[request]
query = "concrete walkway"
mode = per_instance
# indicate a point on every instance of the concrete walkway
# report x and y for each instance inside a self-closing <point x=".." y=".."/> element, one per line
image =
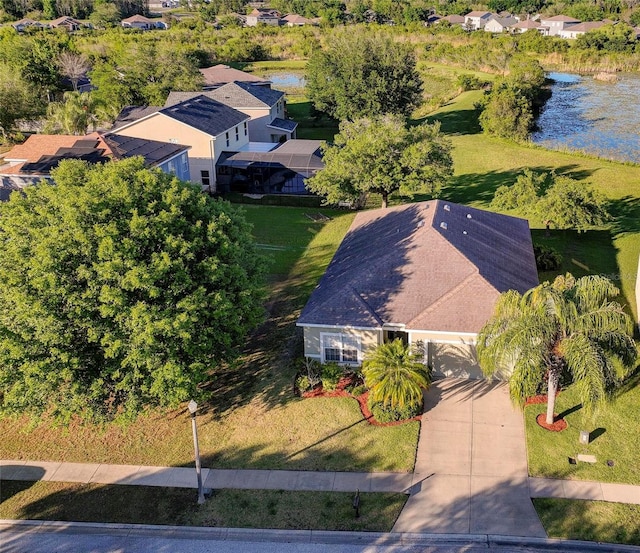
<point x="473" y="463"/>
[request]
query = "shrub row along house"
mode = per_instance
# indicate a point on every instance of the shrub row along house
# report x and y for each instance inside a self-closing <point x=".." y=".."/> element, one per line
<point x="234" y="135"/>
<point x="428" y="273"/>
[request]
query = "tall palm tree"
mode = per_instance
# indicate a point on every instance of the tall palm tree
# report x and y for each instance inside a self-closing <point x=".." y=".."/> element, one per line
<point x="570" y="326"/>
<point x="395" y="375"/>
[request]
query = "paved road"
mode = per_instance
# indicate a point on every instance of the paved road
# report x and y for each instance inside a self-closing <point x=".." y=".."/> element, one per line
<point x="87" y="538"/>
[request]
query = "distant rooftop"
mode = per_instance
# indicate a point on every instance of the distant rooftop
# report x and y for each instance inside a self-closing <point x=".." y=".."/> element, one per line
<point x="220" y="74"/>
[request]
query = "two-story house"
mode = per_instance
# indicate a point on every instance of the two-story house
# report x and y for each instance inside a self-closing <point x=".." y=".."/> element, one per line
<point x="476" y="20"/>
<point x="265" y="107"/>
<point x="207" y="126"/>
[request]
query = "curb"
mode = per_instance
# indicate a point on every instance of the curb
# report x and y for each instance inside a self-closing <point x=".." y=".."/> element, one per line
<point x="305" y="536"/>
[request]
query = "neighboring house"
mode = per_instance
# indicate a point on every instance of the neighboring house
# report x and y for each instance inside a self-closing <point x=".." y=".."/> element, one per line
<point x="218" y="75"/>
<point x="265" y="106"/>
<point x="143" y="23"/>
<point x="476" y="20"/>
<point x="558" y="23"/>
<point x="32" y="161"/>
<point x="205" y="125"/>
<point x="295" y="20"/>
<point x="529" y="25"/>
<point x="574" y="31"/>
<point x="22" y="24"/>
<point x="453" y="19"/>
<point x="263" y="16"/>
<point x="281" y="170"/>
<point x="68" y="23"/>
<point x="500" y="24"/>
<point x="428" y="273"/>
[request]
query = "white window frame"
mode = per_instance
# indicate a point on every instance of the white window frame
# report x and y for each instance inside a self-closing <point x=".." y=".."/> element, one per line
<point x="341" y="340"/>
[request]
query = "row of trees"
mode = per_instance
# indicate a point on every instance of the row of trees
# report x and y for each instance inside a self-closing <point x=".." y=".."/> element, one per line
<point x="51" y="9"/>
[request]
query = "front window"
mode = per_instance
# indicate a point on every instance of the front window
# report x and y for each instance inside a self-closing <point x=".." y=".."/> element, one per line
<point x="341" y="348"/>
<point x="205" y="178"/>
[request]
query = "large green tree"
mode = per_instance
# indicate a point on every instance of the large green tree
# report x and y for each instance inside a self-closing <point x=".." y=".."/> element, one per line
<point x="361" y="73"/>
<point x="571" y="327"/>
<point x="17" y="99"/>
<point x="74" y="115"/>
<point x="121" y="287"/>
<point x="558" y="200"/>
<point x="382" y="155"/>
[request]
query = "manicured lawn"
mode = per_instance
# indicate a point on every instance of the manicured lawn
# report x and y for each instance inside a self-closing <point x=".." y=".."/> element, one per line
<point x="615" y="436"/>
<point x="590" y="520"/>
<point x="254" y="420"/>
<point x="177" y="507"/>
<point x="321" y="128"/>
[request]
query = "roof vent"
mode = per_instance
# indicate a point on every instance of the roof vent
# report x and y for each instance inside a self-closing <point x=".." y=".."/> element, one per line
<point x="420" y="224"/>
<point x="464" y="232"/>
<point x="469" y="216"/>
<point x="443" y="225"/>
<point x="447" y="207"/>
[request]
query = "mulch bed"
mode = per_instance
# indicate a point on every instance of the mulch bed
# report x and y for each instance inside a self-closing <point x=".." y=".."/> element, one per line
<point x="340" y="391"/>
<point x="558" y="424"/>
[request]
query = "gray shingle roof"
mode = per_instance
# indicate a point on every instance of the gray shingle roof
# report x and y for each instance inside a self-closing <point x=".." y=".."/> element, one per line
<point x="283" y="124"/>
<point x="430" y="266"/>
<point x="242" y="95"/>
<point x="235" y="95"/>
<point x="129" y="114"/>
<point x="205" y="114"/>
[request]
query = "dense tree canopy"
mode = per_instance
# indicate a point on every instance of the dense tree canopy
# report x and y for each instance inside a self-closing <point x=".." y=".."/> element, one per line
<point x="560" y="201"/>
<point x="363" y="74"/>
<point x="570" y="328"/>
<point x="382" y="155"/>
<point x="121" y="287"/>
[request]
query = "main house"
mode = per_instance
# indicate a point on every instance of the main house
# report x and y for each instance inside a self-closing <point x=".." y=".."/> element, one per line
<point x="205" y="125"/>
<point x="427" y="272"/>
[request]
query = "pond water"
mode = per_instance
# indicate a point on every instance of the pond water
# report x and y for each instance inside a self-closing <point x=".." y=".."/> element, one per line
<point x="286" y="80"/>
<point x="596" y="117"/>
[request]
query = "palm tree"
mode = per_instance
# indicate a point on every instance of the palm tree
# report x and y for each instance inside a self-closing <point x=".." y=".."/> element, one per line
<point x="73" y="115"/>
<point x="571" y="326"/>
<point x="395" y="375"/>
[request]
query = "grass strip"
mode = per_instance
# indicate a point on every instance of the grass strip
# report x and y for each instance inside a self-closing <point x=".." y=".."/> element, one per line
<point x="279" y="509"/>
<point x="590" y="520"/>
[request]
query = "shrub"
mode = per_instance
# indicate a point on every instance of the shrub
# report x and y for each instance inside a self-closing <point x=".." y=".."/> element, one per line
<point x="386" y="413"/>
<point x="358" y="390"/>
<point x="469" y="82"/>
<point x="547" y="259"/>
<point x="331" y="374"/>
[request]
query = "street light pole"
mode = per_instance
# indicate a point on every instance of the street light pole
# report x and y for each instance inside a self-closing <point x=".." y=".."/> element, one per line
<point x="193" y="407"/>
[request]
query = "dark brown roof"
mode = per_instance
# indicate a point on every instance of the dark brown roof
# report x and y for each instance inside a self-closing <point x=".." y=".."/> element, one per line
<point x="429" y="266"/>
<point x="220" y="74"/>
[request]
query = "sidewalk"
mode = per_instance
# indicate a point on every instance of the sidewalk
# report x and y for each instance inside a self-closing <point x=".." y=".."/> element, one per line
<point x="179" y="477"/>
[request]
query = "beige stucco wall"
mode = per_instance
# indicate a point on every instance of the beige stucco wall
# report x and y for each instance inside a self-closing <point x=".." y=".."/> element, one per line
<point x="368" y="339"/>
<point x="205" y="149"/>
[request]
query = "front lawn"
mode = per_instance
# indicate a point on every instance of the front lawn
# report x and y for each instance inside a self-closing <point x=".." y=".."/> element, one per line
<point x="590" y="520"/>
<point x="177" y="507"/>
<point x="254" y="420"/>
<point x="615" y="436"/>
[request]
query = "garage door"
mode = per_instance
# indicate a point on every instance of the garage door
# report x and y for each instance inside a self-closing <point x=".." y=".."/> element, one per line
<point x="456" y="360"/>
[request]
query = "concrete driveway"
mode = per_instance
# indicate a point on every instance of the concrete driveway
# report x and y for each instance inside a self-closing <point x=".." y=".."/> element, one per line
<point x="471" y="464"/>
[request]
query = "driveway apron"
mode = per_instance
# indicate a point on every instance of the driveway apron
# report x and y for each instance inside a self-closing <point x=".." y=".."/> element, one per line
<point x="471" y="464"/>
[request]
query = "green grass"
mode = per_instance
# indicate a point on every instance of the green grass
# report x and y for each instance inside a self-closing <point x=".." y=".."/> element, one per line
<point x="299" y="109"/>
<point x="615" y="436"/>
<point x="590" y="520"/>
<point x="177" y="506"/>
<point x="254" y="420"/>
